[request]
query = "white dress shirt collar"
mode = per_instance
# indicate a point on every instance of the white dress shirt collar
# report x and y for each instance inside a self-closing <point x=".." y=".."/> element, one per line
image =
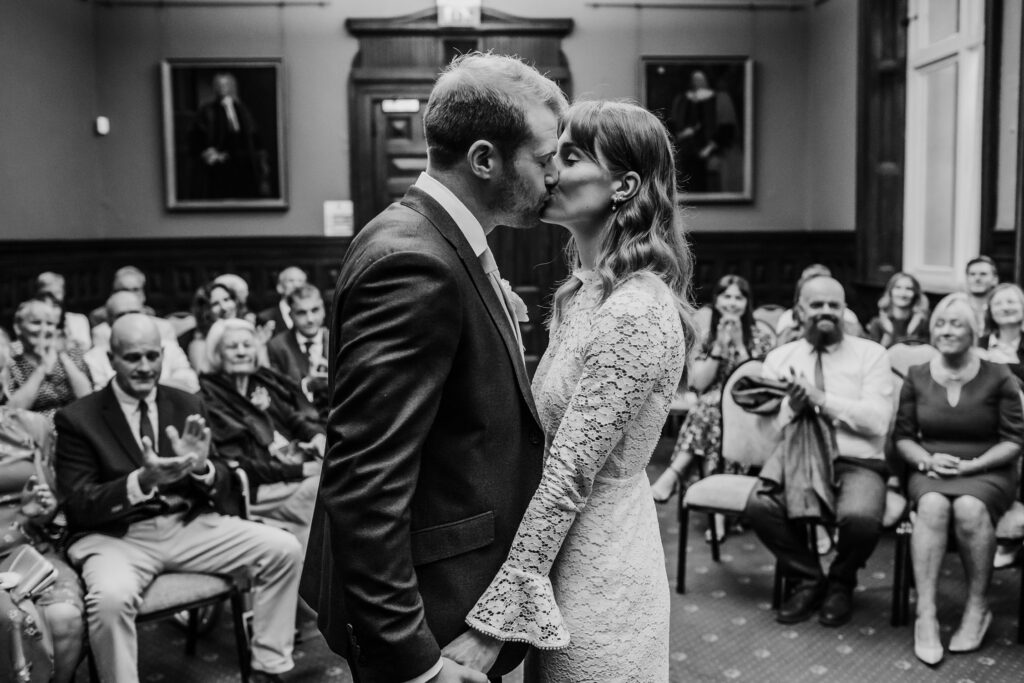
<point x="462" y="216"/>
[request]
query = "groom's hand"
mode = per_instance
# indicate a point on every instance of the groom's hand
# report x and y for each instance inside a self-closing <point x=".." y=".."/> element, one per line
<point x="453" y="672"/>
<point x="473" y="649"/>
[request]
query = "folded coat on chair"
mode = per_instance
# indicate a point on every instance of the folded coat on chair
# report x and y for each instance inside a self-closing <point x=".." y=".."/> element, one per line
<point x="801" y="465"/>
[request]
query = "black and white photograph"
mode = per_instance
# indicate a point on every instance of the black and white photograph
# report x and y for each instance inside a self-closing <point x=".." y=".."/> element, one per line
<point x="511" y="341"/>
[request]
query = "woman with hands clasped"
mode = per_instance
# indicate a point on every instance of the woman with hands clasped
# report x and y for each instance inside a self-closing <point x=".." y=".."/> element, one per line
<point x="733" y="339"/>
<point x="959" y="428"/>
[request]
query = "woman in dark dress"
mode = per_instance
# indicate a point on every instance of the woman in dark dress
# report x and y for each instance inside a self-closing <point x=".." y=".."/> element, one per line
<point x="959" y="428"/>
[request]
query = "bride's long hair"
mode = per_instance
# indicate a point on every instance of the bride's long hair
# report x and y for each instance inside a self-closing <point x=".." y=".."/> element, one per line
<point x="645" y="233"/>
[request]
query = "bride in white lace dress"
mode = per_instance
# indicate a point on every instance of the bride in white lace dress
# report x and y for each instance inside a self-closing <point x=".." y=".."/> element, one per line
<point x="585" y="580"/>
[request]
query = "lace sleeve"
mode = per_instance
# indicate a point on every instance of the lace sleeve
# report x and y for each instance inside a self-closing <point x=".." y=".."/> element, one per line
<point x="631" y="343"/>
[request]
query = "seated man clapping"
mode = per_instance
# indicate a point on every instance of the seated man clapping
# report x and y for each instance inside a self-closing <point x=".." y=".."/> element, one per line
<point x="143" y="497"/>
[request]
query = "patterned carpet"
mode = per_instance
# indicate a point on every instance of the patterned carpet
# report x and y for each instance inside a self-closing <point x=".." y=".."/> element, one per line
<point x="722" y="630"/>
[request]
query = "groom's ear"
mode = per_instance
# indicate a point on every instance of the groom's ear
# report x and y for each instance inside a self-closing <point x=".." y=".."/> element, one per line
<point x="483" y="159"/>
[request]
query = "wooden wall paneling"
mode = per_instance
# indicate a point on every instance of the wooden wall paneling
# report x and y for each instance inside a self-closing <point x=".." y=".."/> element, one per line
<point x="881" y="124"/>
<point x="531" y="260"/>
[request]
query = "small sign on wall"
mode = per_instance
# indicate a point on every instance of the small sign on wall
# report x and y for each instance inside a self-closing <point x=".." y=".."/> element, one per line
<point x="465" y="13"/>
<point x="338" y="221"/>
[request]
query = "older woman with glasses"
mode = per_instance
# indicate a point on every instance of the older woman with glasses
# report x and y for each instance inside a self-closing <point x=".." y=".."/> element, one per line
<point x="262" y="420"/>
<point x="959" y="428"/>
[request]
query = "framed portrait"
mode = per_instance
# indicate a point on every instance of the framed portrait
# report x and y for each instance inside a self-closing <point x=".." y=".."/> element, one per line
<point x="707" y="105"/>
<point x="223" y="124"/>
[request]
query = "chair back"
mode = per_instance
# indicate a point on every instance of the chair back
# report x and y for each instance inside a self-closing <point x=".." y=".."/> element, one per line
<point x="769" y="313"/>
<point x="747" y="438"/>
<point x="903" y="356"/>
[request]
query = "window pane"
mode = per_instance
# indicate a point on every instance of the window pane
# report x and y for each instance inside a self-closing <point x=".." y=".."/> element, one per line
<point x="943" y="19"/>
<point x="940" y="166"/>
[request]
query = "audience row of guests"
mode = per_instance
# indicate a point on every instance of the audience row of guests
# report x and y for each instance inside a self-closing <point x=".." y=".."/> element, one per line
<point x="958" y="429"/>
<point x="141" y="471"/>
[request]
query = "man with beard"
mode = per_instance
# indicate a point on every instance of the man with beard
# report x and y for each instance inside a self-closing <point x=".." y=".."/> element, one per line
<point x="434" y="444"/>
<point x="848" y="381"/>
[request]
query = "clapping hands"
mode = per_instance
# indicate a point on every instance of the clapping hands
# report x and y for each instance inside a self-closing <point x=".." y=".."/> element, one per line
<point x="38" y="503"/>
<point x="191" y="452"/>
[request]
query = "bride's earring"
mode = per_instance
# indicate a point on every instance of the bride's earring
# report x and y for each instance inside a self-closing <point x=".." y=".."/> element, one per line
<point x="616" y="201"/>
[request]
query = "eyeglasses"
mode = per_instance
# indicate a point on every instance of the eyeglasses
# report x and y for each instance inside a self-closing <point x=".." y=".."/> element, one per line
<point x="135" y="356"/>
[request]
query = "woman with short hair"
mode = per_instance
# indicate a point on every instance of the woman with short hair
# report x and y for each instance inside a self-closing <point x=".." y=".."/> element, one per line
<point x="959" y="428"/>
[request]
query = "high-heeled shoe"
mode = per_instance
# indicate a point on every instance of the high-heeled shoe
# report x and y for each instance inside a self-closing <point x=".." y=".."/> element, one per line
<point x="665" y="487"/>
<point x="969" y="642"/>
<point x="927" y="645"/>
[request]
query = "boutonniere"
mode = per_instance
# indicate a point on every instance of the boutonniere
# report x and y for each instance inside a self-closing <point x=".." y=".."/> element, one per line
<point x="260" y="398"/>
<point x="519" y="309"/>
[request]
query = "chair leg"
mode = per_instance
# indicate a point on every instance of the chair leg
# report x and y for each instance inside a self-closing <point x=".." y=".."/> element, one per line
<point x="898" y="580"/>
<point x="1020" y="609"/>
<point x="779" y="585"/>
<point x="715" y="541"/>
<point x="684" y="533"/>
<point x="192" y="632"/>
<point x="241" y="635"/>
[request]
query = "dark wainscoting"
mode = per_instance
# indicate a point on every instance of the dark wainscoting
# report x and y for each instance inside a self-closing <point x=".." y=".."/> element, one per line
<point x="174" y="268"/>
<point x="771" y="261"/>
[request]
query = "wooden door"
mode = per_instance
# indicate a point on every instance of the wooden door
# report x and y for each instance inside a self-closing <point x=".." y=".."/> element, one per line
<point x="399" y="150"/>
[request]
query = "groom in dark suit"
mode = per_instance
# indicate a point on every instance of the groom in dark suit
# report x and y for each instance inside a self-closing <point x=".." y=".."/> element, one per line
<point x="434" y="444"/>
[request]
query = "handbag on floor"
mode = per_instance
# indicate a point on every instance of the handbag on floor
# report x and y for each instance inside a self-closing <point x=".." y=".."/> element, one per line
<point x="26" y="650"/>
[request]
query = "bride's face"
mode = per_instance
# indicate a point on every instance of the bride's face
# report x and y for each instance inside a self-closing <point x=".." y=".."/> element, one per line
<point x="583" y="196"/>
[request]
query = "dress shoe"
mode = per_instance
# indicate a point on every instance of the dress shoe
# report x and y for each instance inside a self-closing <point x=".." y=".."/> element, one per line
<point x="257" y="676"/>
<point x="837" y="608"/>
<point x="801" y="605"/>
<point x="927" y="646"/>
<point x="969" y="642"/>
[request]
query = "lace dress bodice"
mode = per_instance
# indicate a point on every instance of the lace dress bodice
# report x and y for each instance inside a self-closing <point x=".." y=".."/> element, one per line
<point x="603" y="391"/>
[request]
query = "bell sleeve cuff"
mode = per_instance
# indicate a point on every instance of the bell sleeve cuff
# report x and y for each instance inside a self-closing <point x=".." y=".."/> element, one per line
<point x="520" y="606"/>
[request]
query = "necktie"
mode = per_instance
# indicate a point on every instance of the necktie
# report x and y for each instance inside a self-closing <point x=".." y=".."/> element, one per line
<point x="229" y="110"/>
<point x="145" y="426"/>
<point x="307" y="347"/>
<point x="819" y="374"/>
<point x="491" y="268"/>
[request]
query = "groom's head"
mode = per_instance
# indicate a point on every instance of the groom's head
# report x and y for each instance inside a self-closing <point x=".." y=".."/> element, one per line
<point x="492" y="122"/>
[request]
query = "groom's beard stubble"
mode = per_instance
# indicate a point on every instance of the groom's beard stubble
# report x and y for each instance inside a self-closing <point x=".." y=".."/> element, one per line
<point x="820" y="338"/>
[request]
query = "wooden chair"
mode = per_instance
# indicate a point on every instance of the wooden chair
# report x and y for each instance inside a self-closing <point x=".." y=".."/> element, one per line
<point x="769" y="314"/>
<point x="748" y="439"/>
<point x="172" y="593"/>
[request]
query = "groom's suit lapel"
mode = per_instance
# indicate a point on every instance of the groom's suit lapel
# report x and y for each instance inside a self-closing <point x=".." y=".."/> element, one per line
<point x="424" y="204"/>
